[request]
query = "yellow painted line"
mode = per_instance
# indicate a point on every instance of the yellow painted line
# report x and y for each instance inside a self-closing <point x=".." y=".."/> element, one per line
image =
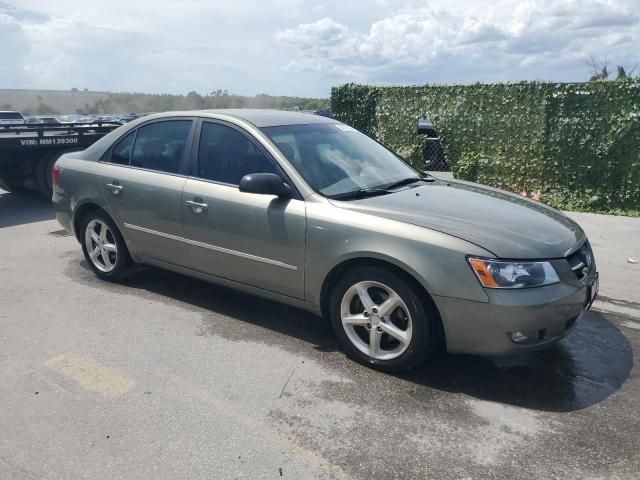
<point x="91" y="375"/>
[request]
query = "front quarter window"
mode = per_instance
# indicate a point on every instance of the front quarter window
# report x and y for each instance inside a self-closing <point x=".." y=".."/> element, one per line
<point x="121" y="153"/>
<point x="336" y="159"/>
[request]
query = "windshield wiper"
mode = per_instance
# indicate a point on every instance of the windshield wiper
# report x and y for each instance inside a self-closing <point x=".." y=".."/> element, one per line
<point x="362" y="193"/>
<point x="382" y="190"/>
<point x="407" y="181"/>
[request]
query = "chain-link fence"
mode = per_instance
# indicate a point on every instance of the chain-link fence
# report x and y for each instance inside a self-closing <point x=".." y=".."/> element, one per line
<point x="433" y="154"/>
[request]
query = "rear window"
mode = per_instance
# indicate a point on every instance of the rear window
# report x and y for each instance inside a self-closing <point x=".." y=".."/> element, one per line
<point x="161" y="146"/>
<point x="10" y="116"/>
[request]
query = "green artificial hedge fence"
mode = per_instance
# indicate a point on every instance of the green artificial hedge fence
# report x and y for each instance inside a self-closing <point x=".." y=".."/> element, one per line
<point x="575" y="144"/>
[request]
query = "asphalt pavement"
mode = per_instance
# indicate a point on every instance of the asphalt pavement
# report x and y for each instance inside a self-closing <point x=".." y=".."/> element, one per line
<point x="171" y="377"/>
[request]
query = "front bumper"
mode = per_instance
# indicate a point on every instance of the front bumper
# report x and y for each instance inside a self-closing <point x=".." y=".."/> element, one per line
<point x="544" y="315"/>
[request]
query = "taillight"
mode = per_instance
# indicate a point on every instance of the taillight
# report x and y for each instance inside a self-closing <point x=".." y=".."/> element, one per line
<point x="55" y="174"/>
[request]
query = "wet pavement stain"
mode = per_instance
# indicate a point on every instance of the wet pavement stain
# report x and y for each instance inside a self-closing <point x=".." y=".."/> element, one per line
<point x="581" y="370"/>
<point x="503" y="414"/>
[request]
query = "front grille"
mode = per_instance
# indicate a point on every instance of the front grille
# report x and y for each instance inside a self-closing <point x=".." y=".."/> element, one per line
<point x="581" y="261"/>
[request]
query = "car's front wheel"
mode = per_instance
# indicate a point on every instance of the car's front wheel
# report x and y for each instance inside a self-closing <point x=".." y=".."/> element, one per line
<point x="103" y="247"/>
<point x="381" y="319"/>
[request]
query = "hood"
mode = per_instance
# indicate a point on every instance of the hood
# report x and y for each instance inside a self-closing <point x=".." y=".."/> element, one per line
<point x="508" y="225"/>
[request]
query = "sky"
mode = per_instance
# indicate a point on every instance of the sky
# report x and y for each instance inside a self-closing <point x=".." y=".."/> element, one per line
<point x="303" y="47"/>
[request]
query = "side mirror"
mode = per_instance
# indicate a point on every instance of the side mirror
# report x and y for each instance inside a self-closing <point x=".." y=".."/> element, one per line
<point x="265" y="184"/>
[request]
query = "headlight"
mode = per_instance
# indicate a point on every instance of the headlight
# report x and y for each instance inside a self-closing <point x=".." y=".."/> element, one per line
<point x="498" y="274"/>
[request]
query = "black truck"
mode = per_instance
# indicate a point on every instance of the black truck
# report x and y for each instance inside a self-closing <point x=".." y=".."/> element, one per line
<point x="28" y="152"/>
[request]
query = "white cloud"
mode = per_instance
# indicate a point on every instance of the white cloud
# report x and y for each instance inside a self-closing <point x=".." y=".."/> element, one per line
<point x="303" y="47"/>
<point x="14" y="48"/>
<point x="486" y="43"/>
<point x="154" y="46"/>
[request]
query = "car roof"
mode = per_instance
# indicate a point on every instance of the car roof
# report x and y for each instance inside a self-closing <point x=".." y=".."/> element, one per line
<point x="258" y="117"/>
<point x="270" y="118"/>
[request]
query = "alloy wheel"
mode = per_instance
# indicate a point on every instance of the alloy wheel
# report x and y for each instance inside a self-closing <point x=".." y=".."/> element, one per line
<point x="101" y="245"/>
<point x="376" y="320"/>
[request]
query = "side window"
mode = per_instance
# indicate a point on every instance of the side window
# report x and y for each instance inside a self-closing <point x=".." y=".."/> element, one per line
<point x="161" y="146"/>
<point x="226" y="155"/>
<point x="121" y="153"/>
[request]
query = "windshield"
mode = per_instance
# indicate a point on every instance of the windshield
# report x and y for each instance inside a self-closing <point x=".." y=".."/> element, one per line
<point x="336" y="159"/>
<point x="10" y="116"/>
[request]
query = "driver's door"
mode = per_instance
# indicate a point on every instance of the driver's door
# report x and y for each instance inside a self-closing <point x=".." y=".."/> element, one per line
<point x="253" y="239"/>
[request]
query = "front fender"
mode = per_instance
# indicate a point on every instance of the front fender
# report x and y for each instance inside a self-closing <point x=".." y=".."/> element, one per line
<point x="436" y="260"/>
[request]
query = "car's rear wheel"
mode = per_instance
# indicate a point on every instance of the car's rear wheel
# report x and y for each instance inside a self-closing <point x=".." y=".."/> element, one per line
<point x="43" y="173"/>
<point x="103" y="247"/>
<point x="382" y="320"/>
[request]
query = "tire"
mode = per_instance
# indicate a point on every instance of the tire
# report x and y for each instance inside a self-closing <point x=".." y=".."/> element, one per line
<point x="43" y="179"/>
<point x="14" y="188"/>
<point x="112" y="262"/>
<point x="7" y="188"/>
<point x="11" y="177"/>
<point x="43" y="172"/>
<point x="414" y="319"/>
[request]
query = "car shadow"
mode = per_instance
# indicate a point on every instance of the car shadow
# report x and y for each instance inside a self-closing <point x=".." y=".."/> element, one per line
<point x="22" y="208"/>
<point x="583" y="369"/>
<point x="227" y="302"/>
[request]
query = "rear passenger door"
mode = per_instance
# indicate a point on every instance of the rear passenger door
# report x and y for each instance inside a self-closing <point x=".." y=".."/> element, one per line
<point x="256" y="240"/>
<point x="142" y="180"/>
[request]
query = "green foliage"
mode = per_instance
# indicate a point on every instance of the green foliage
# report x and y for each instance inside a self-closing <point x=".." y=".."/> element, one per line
<point x="592" y="146"/>
<point x="578" y="145"/>
<point x="356" y="105"/>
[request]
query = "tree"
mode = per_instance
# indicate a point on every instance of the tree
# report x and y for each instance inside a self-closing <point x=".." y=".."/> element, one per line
<point x="621" y="73"/>
<point x="125" y="102"/>
<point x="193" y="101"/>
<point x="599" y="70"/>
<point x="44" y="109"/>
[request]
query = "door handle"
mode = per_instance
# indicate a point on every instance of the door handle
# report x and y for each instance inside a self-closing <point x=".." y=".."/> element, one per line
<point x="115" y="188"/>
<point x="196" y="207"/>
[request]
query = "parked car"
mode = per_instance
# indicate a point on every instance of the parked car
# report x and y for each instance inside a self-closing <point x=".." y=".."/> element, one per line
<point x="11" y="118"/>
<point x="69" y="119"/>
<point x="42" y="121"/>
<point x="310" y="212"/>
<point x="106" y="119"/>
<point x="127" y="118"/>
<point x="49" y="121"/>
<point x="83" y="119"/>
<point x="325" y="112"/>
